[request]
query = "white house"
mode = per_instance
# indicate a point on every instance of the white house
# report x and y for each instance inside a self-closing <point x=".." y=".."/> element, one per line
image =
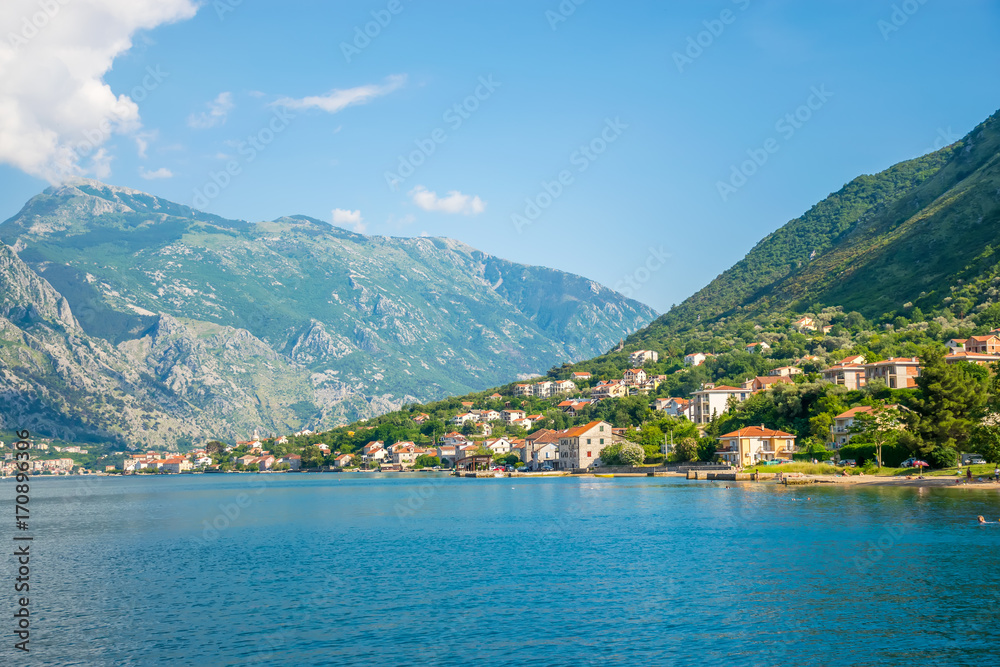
<point x="580" y="446"/>
<point x="712" y="400"/>
<point x="640" y="357"/>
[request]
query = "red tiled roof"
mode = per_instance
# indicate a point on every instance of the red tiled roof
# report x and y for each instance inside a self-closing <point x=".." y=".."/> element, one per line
<point x="757" y="431"/>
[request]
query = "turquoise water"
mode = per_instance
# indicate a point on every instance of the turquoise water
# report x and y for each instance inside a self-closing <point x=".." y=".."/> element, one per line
<point x="414" y="570"/>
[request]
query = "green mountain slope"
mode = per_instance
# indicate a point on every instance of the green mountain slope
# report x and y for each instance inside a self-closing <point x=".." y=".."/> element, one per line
<point x="907" y="236"/>
<point x="293" y="323"/>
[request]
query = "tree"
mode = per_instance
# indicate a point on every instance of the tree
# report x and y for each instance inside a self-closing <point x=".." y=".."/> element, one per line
<point x="952" y="402"/>
<point x="880" y="427"/>
<point x="215" y="448"/>
<point x="312" y="457"/>
<point x="707" y="447"/>
<point x="623" y="454"/>
<point x="687" y="449"/>
<point x="986" y="441"/>
<point x="426" y="461"/>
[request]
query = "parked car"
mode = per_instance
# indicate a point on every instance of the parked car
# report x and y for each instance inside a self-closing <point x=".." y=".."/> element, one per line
<point x="510" y="468"/>
<point x="547" y="468"/>
<point x="849" y="463"/>
<point x="908" y="463"/>
<point x="976" y="460"/>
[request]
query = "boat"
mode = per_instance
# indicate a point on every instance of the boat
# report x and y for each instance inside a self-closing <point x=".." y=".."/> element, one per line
<point x="605" y="475"/>
<point x="498" y="474"/>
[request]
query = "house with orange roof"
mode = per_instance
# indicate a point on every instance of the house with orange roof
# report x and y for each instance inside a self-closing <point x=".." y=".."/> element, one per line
<point x="763" y="382"/>
<point x="495" y="396"/>
<point x="840" y="432"/>
<point x="971" y="357"/>
<point x="757" y="348"/>
<point x="712" y="400"/>
<point x="753" y="444"/>
<point x="897" y="373"/>
<point x="580" y="446"/>
<point x="805" y="324"/>
<point x="421" y="418"/>
<point x="856" y="359"/>
<point x="989" y="344"/>
<point x="634" y="376"/>
<point x="785" y="371"/>
<point x="511" y="416"/>
<point x="523" y="390"/>
<point x="850" y="375"/>
<point x="343" y="460"/>
<point x="294" y="461"/>
<point x="608" y="389"/>
<point x="695" y="358"/>
<point x="580" y="375"/>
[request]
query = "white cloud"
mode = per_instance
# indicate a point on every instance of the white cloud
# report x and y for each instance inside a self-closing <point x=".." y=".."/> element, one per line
<point x="344" y="217"/>
<point x="337" y="100"/>
<point x="162" y="172"/>
<point x="218" y="111"/>
<point x="453" y="202"/>
<point x="56" y="111"/>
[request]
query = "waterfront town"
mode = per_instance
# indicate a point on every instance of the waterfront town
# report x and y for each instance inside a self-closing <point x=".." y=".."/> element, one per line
<point x="500" y="435"/>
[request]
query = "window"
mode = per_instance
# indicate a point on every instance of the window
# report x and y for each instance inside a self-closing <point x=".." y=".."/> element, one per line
<point x="600" y="428"/>
<point x="588" y="441"/>
<point x="602" y="441"/>
<point x="588" y="454"/>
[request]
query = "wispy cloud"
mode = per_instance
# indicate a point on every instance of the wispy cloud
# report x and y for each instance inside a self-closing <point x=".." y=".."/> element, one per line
<point x="162" y="172"/>
<point x="344" y="217"/>
<point x="218" y="111"/>
<point x="453" y="202"/>
<point x="336" y="99"/>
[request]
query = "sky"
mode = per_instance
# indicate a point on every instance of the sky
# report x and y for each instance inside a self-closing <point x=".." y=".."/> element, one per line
<point x="645" y="145"/>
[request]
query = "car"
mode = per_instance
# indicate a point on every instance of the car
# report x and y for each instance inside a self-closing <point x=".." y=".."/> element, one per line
<point x="975" y="460"/>
<point x="547" y="468"/>
<point x="908" y="463"/>
<point x="510" y="468"/>
<point x="827" y="463"/>
<point x="436" y="468"/>
<point x="848" y="463"/>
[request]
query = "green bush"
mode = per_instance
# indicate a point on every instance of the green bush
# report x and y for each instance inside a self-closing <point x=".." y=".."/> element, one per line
<point x="892" y="455"/>
<point x="654" y="459"/>
<point x="819" y="455"/>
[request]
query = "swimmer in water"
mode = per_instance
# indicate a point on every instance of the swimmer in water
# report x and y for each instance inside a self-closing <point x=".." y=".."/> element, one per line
<point x="981" y="519"/>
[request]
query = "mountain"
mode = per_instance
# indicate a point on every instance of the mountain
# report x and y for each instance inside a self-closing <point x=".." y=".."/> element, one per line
<point x="216" y="327"/>
<point x="919" y="235"/>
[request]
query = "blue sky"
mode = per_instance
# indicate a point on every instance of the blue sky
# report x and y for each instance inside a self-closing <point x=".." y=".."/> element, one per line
<point x="617" y="121"/>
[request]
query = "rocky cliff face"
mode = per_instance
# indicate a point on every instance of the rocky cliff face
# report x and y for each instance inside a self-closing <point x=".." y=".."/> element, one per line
<point x="214" y="327"/>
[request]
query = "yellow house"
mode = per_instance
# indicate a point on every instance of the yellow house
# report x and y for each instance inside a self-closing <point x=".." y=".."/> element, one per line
<point x="753" y="444"/>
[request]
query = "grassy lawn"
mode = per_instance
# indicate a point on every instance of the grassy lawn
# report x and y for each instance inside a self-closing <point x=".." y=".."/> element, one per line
<point x="983" y="471"/>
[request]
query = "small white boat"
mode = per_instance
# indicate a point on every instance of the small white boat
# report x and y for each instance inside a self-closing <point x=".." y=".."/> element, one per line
<point x="498" y="474"/>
